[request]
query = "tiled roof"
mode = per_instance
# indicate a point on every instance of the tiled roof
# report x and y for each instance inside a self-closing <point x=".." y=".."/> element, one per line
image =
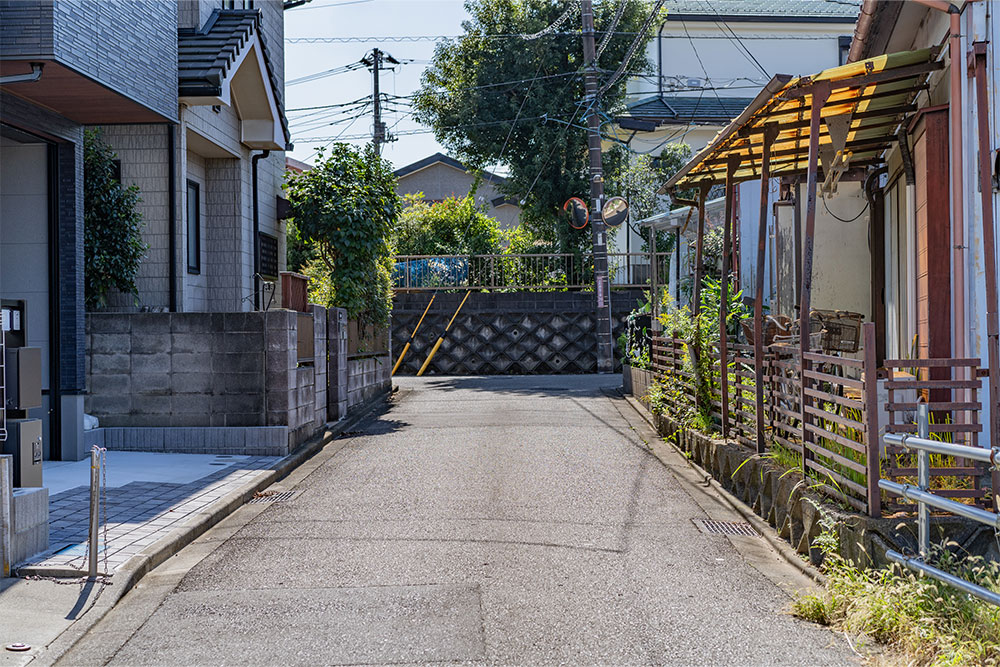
<point x="205" y="56"/>
<point x="784" y="10"/>
<point x="674" y="108"/>
<point x="448" y="160"/>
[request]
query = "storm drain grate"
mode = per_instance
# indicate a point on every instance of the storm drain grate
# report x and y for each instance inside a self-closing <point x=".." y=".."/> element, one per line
<point x="726" y="528"/>
<point x="271" y="496"/>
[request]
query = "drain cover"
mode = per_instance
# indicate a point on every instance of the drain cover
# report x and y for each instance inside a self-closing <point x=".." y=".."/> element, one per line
<point x="271" y="496"/>
<point x="739" y="528"/>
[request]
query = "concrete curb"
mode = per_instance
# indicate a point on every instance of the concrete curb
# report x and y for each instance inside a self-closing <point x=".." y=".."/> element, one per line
<point x="783" y="548"/>
<point x="142" y="563"/>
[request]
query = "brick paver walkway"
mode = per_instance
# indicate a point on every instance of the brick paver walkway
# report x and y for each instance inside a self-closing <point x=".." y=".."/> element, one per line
<point x="137" y="514"/>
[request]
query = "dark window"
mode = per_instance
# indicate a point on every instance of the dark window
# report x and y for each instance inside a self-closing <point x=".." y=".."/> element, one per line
<point x="268" y="255"/>
<point x="193" y="227"/>
<point x="844" y="41"/>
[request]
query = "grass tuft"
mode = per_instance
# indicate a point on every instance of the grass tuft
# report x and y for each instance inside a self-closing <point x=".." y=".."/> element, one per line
<point x="921" y="621"/>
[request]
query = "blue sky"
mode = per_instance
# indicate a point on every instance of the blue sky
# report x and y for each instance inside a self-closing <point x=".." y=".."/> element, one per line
<point x="361" y="18"/>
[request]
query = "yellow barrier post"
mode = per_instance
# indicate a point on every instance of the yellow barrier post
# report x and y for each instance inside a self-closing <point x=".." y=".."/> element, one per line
<point x="415" y="329"/>
<point x="441" y="337"/>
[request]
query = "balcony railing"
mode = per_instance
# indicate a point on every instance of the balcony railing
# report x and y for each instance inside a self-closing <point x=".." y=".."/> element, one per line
<point x="559" y="271"/>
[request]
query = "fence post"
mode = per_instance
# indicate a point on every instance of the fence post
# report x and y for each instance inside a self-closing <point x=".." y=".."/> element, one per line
<point x="872" y="442"/>
<point x="6" y="518"/>
<point x="923" y="480"/>
<point x="95" y="504"/>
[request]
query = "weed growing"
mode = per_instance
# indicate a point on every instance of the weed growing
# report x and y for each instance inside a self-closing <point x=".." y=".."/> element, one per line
<point x="920" y="620"/>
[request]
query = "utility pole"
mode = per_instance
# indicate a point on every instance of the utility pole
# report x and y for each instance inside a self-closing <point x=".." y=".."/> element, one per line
<point x="374" y="62"/>
<point x="602" y="287"/>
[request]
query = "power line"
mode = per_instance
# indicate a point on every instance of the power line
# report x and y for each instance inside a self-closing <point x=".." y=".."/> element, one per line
<point x="740" y="46"/>
<point x="632" y="48"/>
<point x="611" y="31"/>
<point x="438" y="38"/>
<point x="330" y="72"/>
<point x="545" y="117"/>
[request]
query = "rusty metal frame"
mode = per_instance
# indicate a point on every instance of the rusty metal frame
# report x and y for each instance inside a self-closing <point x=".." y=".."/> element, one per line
<point x="819" y="97"/>
<point x="727" y="225"/>
<point x="989" y="255"/>
<point x="758" y="303"/>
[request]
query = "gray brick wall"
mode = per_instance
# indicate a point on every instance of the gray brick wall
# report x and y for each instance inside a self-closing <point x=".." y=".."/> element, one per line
<point x="128" y="45"/>
<point x="25" y="28"/>
<point x="184" y="370"/>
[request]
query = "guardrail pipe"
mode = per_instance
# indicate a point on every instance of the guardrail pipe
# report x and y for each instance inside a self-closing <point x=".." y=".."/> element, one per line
<point x="941" y="575"/>
<point x="923" y="480"/>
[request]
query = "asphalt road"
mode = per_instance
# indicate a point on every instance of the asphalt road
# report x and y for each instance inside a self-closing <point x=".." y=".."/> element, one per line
<point x="479" y="520"/>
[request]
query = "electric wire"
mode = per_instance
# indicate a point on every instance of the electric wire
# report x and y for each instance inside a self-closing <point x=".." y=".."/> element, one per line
<point x="611" y="31"/>
<point x="576" y="33"/>
<point x="632" y="48"/>
<point x="573" y="5"/>
<point x="343" y="69"/>
<point x="837" y="217"/>
<point x="740" y="46"/>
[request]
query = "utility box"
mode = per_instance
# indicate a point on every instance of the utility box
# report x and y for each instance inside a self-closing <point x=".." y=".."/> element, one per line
<point x="23" y="368"/>
<point x="24" y="443"/>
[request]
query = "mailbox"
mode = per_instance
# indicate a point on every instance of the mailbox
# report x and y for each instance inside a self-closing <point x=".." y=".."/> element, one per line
<point x="23" y="368"/>
<point x="24" y="443"/>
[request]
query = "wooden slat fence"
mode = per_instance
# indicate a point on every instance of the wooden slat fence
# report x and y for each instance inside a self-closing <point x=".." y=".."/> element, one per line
<point x="834" y="428"/>
<point x="785" y="412"/>
<point x="742" y="394"/>
<point x="951" y="388"/>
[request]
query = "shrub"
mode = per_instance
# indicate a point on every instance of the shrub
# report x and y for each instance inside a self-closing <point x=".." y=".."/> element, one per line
<point x="112" y="226"/>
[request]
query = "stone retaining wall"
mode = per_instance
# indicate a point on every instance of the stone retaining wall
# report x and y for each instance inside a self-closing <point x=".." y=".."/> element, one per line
<point x="782" y="499"/>
<point x="501" y="333"/>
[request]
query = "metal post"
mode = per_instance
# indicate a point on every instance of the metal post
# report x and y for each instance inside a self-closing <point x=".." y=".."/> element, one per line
<point x="95" y="505"/>
<point x="989" y="257"/>
<point x="872" y="441"/>
<point x="770" y="132"/>
<point x="654" y="297"/>
<point x="923" y="481"/>
<point x="6" y="518"/>
<point x="605" y="358"/>
<point x="724" y="300"/>
<point x="820" y="93"/>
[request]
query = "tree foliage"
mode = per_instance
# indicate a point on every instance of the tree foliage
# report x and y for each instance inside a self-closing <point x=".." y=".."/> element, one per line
<point x="477" y="85"/>
<point x="344" y="210"/>
<point x="112" y="226"/>
<point x="450" y="227"/>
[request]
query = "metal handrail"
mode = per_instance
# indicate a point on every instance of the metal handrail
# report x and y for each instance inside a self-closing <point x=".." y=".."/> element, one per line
<point x="922" y="496"/>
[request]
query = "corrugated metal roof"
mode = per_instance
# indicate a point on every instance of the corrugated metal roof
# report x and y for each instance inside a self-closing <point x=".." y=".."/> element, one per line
<point x="867" y="102"/>
<point x="707" y="108"/>
<point x="846" y="10"/>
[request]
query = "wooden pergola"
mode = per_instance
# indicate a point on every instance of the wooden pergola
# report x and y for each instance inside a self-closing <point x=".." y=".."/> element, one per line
<point x="832" y="125"/>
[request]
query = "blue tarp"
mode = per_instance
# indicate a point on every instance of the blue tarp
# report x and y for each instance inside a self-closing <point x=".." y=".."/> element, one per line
<point x="432" y="272"/>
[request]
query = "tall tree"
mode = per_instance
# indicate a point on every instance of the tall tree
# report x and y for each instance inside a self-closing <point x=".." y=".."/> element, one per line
<point x="344" y="209"/>
<point x="478" y="85"/>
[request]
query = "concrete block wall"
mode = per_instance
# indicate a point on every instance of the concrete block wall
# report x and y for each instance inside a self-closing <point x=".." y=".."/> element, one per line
<point x="30" y="523"/>
<point x="506" y="332"/>
<point x="338" y="388"/>
<point x="367" y="377"/>
<point x="221" y="382"/>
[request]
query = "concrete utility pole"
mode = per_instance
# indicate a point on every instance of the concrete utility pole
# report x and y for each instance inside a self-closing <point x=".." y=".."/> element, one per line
<point x="374" y="61"/>
<point x="605" y="358"/>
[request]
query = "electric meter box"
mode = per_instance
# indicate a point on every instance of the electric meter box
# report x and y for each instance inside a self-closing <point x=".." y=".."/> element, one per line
<point x="23" y="367"/>
<point x="24" y="443"/>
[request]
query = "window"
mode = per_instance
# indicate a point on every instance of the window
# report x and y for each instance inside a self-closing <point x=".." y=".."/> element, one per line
<point x="268" y="255"/>
<point x="844" y="42"/>
<point x="193" y="227"/>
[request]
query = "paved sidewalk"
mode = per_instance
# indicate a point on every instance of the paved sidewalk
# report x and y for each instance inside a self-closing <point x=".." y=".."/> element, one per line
<point x="137" y="513"/>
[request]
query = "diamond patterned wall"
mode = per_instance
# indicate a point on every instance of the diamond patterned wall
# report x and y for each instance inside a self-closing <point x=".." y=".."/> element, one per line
<point x="506" y="333"/>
